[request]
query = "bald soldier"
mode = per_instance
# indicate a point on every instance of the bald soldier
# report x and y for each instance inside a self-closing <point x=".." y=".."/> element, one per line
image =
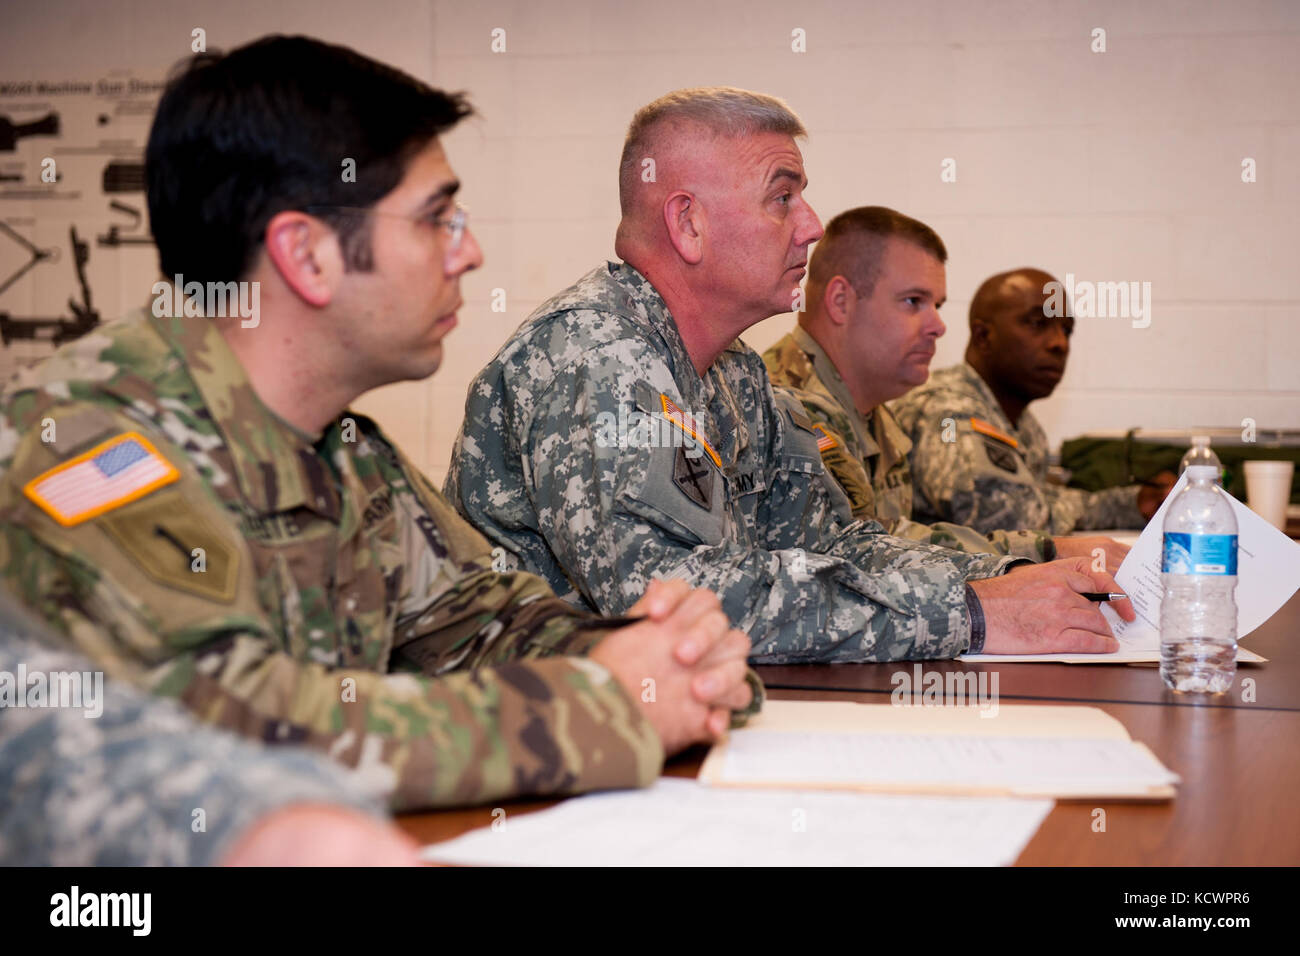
<point x="979" y="456"/>
<point x="625" y="433"/>
<point x="186" y="495"/>
<point x="876" y="283"/>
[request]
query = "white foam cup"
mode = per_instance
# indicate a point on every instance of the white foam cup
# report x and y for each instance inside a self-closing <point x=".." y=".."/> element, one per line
<point x="1268" y="488"/>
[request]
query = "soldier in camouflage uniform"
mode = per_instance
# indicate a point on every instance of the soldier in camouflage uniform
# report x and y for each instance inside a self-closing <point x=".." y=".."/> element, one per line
<point x="142" y="784"/>
<point x="867" y="454"/>
<point x="190" y="501"/>
<point x="620" y="436"/>
<point x="876" y="283"/>
<point x="979" y="456"/>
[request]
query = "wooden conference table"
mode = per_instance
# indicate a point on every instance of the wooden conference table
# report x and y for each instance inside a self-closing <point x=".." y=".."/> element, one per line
<point x="1239" y="760"/>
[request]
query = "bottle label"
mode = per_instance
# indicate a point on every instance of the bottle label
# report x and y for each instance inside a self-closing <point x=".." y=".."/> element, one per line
<point x="1199" y="554"/>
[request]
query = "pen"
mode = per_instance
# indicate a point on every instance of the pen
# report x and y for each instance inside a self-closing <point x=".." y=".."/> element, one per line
<point x="1104" y="595"/>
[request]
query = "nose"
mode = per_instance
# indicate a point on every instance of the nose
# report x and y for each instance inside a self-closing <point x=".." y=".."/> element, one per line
<point x="1058" y="341"/>
<point x="935" y="326"/>
<point x="810" y="230"/>
<point x="468" y="257"/>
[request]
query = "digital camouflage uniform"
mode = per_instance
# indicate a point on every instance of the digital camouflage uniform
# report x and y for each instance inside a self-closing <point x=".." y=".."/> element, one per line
<point x="745" y="510"/>
<point x="332" y="579"/>
<point x="141" y="784"/>
<point x="867" y="454"/>
<point x="990" y="474"/>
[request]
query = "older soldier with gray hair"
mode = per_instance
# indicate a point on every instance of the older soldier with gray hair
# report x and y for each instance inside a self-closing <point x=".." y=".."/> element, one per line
<point x="625" y="433"/>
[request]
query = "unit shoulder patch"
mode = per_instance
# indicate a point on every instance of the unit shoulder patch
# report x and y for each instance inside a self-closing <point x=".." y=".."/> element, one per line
<point x="694" y="478"/>
<point x="177" y="546"/>
<point x="1001" y="456"/>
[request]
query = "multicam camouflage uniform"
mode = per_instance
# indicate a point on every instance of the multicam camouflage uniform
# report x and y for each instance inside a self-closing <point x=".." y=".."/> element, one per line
<point x="989" y="474"/>
<point x="332" y="578"/>
<point x="141" y="784"/>
<point x="577" y="456"/>
<point x="867" y="454"/>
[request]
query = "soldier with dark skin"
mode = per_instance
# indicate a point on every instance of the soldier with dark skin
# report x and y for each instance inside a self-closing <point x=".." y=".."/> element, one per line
<point x="992" y="473"/>
<point x="187" y="497"/>
<point x="1017" y="347"/>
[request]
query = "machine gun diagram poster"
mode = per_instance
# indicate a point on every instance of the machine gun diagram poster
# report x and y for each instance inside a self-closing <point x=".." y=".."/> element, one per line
<point x="75" y="249"/>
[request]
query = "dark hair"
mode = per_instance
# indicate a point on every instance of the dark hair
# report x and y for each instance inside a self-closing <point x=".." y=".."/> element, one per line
<point x="854" y="245"/>
<point x="242" y="136"/>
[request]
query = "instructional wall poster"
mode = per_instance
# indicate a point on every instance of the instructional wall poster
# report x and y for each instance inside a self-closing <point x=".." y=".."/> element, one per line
<point x="74" y="228"/>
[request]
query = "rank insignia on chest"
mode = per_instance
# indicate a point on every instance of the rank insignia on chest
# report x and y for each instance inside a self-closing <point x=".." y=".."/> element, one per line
<point x="694" y="477"/>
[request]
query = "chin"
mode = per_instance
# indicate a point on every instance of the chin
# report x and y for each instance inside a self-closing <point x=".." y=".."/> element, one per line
<point x="420" y="366"/>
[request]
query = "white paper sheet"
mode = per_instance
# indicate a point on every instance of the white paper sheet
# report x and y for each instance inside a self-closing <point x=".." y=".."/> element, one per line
<point x="1268" y="573"/>
<point x="680" y="823"/>
<point x="1037" y="765"/>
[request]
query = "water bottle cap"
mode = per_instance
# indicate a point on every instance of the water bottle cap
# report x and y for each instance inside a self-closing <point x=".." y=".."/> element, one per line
<point x="1202" y="472"/>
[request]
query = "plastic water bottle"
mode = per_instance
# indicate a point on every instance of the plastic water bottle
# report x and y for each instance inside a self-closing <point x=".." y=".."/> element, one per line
<point x="1199" y="454"/>
<point x="1198" y="616"/>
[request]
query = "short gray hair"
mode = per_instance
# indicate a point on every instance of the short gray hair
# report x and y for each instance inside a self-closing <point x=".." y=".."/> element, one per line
<point x="722" y="110"/>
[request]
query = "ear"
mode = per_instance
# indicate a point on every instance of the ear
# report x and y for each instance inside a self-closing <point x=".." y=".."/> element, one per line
<point x="979" y="335"/>
<point x="839" y="300"/>
<point x="306" y="254"/>
<point x="684" y="218"/>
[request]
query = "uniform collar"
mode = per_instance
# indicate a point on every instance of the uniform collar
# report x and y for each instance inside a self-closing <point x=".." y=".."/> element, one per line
<point x="644" y="303"/>
<point x="276" y="465"/>
<point x="828" y="377"/>
<point x="893" y="441"/>
<point x="975" y="381"/>
<point x="707" y="394"/>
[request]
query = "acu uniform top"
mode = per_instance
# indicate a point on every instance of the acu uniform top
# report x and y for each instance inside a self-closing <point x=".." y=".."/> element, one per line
<point x="867" y="454"/>
<point x="972" y="466"/>
<point x="598" y="457"/>
<point x="122" y="788"/>
<point x="293" y="587"/>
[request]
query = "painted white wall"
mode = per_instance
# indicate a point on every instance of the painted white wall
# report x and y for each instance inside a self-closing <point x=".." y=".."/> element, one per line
<point x="1115" y="166"/>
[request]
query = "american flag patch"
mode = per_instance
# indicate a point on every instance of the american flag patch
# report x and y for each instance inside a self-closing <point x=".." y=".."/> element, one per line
<point x="827" y="441"/>
<point x="686" y="422"/>
<point x="108" y="476"/>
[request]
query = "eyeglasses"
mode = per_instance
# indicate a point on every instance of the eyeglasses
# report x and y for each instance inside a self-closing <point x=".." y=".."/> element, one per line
<point x="454" y="224"/>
